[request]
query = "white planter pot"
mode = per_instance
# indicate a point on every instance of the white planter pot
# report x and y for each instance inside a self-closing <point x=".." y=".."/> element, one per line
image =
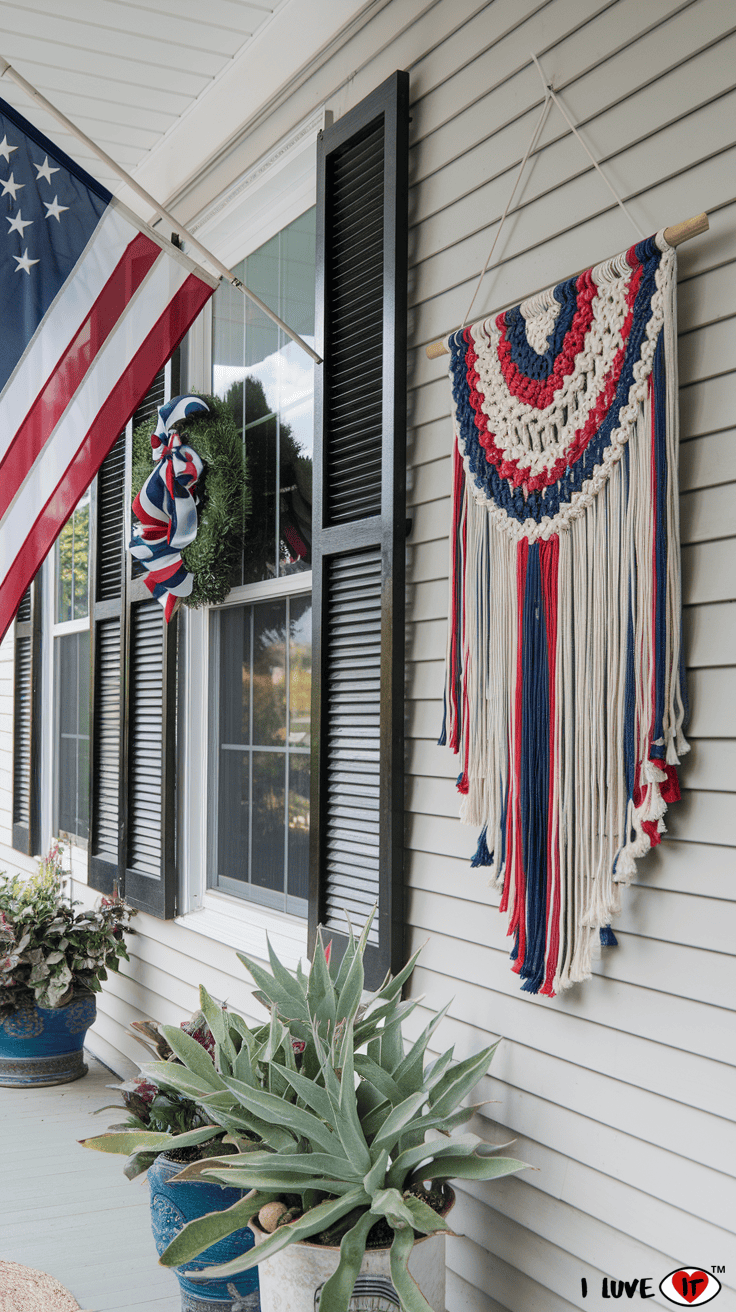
<point x="291" y="1280"/>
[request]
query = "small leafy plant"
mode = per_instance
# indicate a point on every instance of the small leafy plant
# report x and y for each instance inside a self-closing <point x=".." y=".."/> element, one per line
<point x="166" y="1105"/>
<point x="350" y="1142"/>
<point x="49" y="951"/>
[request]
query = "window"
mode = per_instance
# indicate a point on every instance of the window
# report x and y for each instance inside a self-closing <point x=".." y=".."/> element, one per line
<point x="261" y="756"/>
<point x="324" y="554"/>
<point x="71" y="676"/>
<point x="260" y="643"/>
<point x="268" y="381"/>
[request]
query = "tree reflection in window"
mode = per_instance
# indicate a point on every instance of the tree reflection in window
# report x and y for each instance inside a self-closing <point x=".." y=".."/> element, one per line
<point x="268" y="382"/>
<point x="265" y="674"/>
<point x="72" y="567"/>
<point x="281" y="498"/>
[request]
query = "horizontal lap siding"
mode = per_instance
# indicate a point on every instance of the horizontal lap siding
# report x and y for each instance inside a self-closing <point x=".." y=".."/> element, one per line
<point x="621" y="1092"/>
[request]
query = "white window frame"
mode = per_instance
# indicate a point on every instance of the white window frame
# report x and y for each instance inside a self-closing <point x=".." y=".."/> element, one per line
<point x="76" y="858"/>
<point x="262" y="202"/>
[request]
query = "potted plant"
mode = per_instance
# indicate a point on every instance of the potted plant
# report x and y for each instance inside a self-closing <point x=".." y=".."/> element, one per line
<point x="351" y="1180"/>
<point x="53" y="960"/>
<point x="168" y="1126"/>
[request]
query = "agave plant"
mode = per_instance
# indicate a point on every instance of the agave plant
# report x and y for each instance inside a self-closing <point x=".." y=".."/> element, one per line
<point x="348" y="1135"/>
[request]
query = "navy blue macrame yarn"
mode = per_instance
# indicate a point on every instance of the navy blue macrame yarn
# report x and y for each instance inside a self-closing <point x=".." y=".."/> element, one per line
<point x="534" y="781"/>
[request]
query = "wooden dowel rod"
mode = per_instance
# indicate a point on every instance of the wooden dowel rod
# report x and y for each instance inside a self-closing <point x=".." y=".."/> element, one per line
<point x="674" y="236"/>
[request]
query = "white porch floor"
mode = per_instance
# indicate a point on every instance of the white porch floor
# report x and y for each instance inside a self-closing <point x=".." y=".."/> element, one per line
<point x="71" y="1212"/>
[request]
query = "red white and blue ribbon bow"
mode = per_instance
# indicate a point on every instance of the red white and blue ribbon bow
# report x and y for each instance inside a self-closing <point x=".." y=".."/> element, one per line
<point x="166" y="507"/>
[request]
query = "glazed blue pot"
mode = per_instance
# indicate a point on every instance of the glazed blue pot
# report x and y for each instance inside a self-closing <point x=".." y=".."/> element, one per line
<point x="172" y="1205"/>
<point x="44" y="1045"/>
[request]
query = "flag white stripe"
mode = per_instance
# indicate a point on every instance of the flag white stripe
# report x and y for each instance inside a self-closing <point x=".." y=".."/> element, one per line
<point x="57" y="329"/>
<point x="150" y="301"/>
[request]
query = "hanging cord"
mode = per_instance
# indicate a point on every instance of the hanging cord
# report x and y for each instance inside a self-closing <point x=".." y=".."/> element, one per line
<point x="596" y="165"/>
<point x="532" y="143"/>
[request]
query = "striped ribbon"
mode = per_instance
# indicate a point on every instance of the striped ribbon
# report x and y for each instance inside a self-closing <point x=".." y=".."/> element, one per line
<point x="166" y="507"/>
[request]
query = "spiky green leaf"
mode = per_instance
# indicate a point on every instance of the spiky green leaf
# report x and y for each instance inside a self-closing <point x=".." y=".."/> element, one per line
<point x="169" y="1075"/>
<point x="287" y="997"/>
<point x="397" y="1120"/>
<point x="336" y="1291"/>
<point x="193" y="1055"/>
<point x="469" y="1168"/>
<point x="449" y="1092"/>
<point x="465" y="1145"/>
<point x="411" y="1297"/>
<point x="318" y="1218"/>
<point x="389" y="1203"/>
<point x="382" y="1082"/>
<point x="286" y="1115"/>
<point x="216" y="1017"/>
<point x="130" y="1141"/>
<point x="424" y="1218"/>
<point x="206" y="1230"/>
<point x="409" y="1074"/>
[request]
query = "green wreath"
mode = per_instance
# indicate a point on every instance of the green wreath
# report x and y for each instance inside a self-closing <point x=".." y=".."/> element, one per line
<point x="224" y="497"/>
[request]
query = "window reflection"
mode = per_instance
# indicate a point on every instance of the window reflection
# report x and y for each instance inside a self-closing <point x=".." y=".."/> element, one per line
<point x="265" y="678"/>
<point x="72" y="567"/>
<point x="268" y="382"/>
<point x="71" y="680"/>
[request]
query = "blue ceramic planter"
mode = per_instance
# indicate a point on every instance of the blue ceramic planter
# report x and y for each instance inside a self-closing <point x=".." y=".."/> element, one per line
<point x="172" y="1205"/>
<point x="43" y="1045"/>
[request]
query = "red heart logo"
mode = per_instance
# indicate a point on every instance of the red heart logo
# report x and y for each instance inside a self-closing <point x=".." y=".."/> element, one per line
<point x="690" y="1284"/>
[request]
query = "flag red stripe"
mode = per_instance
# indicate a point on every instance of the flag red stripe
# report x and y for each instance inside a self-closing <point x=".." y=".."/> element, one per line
<point x="71" y="368"/>
<point x="112" y="417"/>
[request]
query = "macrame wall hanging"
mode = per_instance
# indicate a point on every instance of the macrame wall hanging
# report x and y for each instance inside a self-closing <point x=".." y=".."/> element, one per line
<point x="564" y="694"/>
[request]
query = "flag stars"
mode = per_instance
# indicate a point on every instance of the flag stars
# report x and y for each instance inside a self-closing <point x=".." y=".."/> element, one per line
<point x="11" y="187"/>
<point x="6" y="149"/>
<point x="44" y="170"/>
<point x="54" y="210"/>
<point x="24" y="262"/>
<point x="18" y="224"/>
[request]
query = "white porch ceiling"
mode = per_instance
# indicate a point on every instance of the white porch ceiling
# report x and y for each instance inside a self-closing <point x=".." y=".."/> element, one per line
<point x="124" y="72"/>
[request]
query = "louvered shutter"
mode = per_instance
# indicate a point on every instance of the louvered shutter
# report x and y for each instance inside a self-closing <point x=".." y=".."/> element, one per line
<point x="360" y="526"/>
<point x="107" y="620"/>
<point x="26" y="721"/>
<point x="133" y="686"/>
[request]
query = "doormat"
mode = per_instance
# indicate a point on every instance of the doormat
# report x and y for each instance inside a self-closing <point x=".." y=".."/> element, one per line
<point x="25" y="1290"/>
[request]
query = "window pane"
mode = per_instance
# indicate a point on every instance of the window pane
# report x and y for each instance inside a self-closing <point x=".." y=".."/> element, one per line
<point x="259" y="553"/>
<point x="65" y="573"/>
<point x="268" y="382"/>
<point x="233" y="814"/>
<point x="298" y="838"/>
<point x="235" y="626"/>
<point x="81" y="561"/>
<point x="71" y="555"/>
<point x="262" y="783"/>
<point x="269" y="674"/>
<point x="300" y="670"/>
<point x="267" y="856"/>
<point x="71" y="688"/>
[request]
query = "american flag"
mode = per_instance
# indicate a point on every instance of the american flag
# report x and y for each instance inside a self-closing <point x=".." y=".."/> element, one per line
<point x="93" y="303"/>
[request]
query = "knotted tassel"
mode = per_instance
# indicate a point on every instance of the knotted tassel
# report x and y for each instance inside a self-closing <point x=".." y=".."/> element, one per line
<point x="167" y="507"/>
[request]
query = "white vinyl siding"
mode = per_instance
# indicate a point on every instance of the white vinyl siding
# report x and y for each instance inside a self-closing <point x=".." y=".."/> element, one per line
<point x="621" y="1093"/>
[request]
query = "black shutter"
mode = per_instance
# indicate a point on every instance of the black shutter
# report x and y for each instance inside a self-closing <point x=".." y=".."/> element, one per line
<point x="26" y="722"/>
<point x="360" y="526"/>
<point x="107" y="620"/>
<point x="132" y="697"/>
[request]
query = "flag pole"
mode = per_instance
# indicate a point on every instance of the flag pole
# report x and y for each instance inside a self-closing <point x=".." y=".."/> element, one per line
<point x="6" y="68"/>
